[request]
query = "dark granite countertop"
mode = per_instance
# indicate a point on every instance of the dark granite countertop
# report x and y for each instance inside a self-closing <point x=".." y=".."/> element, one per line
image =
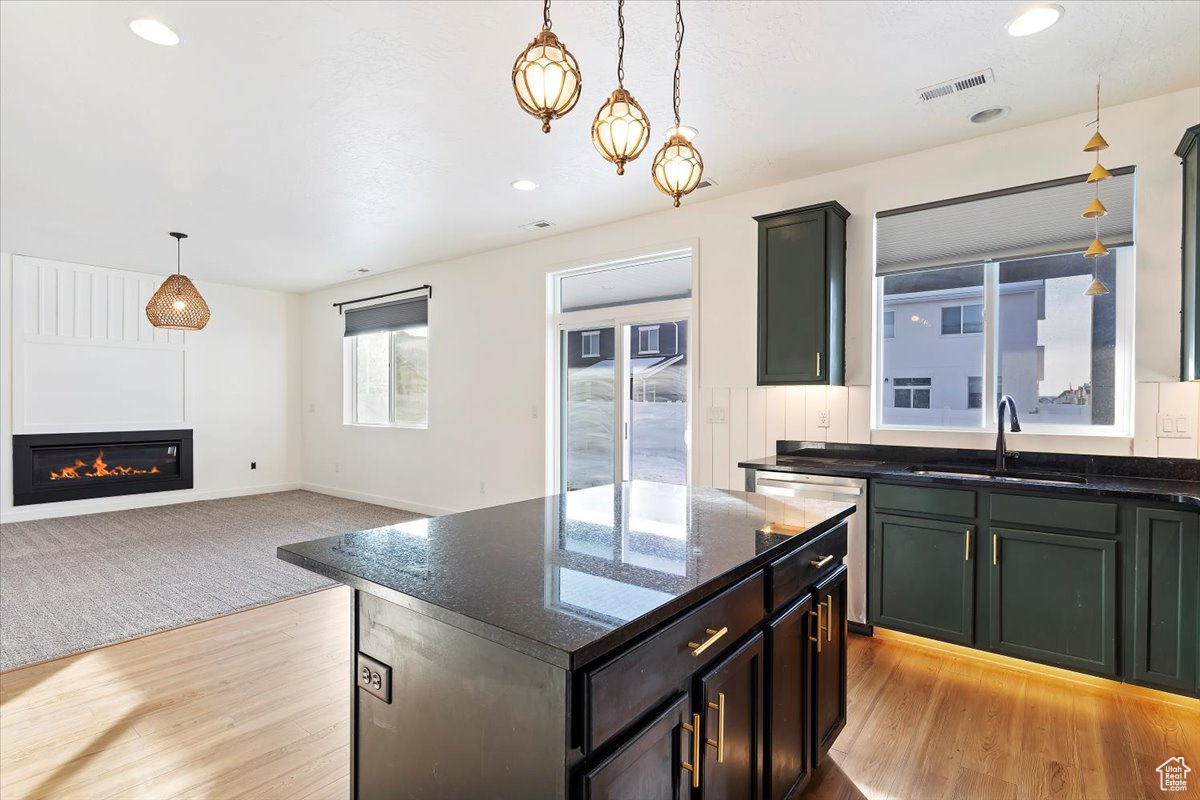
<point x="1163" y="480"/>
<point x="568" y="578"/>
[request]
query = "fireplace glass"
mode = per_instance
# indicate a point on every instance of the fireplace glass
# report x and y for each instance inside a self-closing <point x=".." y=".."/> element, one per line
<point x="58" y="466"/>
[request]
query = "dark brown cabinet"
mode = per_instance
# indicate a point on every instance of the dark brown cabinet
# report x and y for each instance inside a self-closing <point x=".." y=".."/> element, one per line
<point x="802" y="295"/>
<point x="829" y="662"/>
<point x="789" y="729"/>
<point x="647" y="766"/>
<point x="730" y="704"/>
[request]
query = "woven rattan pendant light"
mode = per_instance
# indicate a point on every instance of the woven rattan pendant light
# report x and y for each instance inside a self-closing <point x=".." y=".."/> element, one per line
<point x="177" y="304"/>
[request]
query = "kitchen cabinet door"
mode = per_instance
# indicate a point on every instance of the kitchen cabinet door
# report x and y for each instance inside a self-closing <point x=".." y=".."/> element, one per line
<point x="922" y="576"/>
<point x="828" y="653"/>
<point x="801" y="295"/>
<point x="1189" y="151"/>
<point x="649" y="765"/>
<point x="729" y="700"/>
<point x="1053" y="598"/>
<point x="1166" y="599"/>
<point x="789" y="685"/>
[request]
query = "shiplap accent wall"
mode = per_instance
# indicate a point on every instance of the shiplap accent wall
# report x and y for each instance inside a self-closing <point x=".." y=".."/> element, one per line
<point x="756" y="417"/>
<point x="85" y="357"/>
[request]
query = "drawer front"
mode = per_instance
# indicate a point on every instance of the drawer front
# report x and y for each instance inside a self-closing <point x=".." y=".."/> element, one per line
<point x="788" y="577"/>
<point x="1054" y="512"/>
<point x="617" y="693"/>
<point x="924" y="500"/>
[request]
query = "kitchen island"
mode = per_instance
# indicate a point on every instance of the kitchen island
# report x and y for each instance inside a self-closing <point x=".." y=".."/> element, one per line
<point x="639" y="641"/>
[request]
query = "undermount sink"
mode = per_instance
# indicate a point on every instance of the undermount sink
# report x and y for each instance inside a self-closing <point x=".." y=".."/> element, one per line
<point x="1011" y="477"/>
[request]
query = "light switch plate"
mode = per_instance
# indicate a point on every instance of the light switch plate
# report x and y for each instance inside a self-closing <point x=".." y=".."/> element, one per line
<point x="374" y="676"/>
<point x="718" y="414"/>
<point x="1174" y="426"/>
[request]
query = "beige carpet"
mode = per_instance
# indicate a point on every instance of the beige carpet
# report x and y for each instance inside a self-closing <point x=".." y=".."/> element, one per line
<point x="75" y="583"/>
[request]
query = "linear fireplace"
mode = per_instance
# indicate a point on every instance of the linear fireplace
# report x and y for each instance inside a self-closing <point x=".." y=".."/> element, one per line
<point x="48" y="468"/>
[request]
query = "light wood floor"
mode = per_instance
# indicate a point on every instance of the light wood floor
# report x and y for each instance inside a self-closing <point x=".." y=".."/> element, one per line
<point x="255" y="705"/>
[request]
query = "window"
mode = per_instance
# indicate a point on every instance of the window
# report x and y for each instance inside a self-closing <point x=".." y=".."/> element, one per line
<point x="909" y="394"/>
<point x="989" y="292"/>
<point x="591" y="344"/>
<point x="975" y="391"/>
<point x="962" y="319"/>
<point x="388" y="364"/>
<point x="648" y="340"/>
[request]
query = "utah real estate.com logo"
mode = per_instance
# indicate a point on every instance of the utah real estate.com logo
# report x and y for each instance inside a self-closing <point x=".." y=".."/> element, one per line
<point x="1172" y="775"/>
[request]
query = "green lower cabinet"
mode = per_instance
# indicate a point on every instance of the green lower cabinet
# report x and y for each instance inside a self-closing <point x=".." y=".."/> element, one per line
<point x="1053" y="598"/>
<point x="1166" y="596"/>
<point x="922" y="576"/>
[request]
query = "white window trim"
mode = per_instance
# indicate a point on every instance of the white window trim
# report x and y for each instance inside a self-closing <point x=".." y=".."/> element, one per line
<point x="350" y="390"/>
<point x="1122" y="363"/>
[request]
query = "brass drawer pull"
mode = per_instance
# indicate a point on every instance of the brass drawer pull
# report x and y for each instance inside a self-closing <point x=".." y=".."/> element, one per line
<point x="700" y="647"/>
<point x="995" y="551"/>
<point x="823" y="561"/>
<point x="967" y="547"/>
<point x="820" y="627"/>
<point x="818" y="363"/>
<point x="829" y="618"/>
<point x="719" y="707"/>
<point x="694" y="766"/>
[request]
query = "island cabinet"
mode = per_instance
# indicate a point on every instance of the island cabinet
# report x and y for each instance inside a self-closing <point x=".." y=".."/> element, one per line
<point x="534" y="651"/>
<point x="802" y="295"/>
<point x="1103" y="586"/>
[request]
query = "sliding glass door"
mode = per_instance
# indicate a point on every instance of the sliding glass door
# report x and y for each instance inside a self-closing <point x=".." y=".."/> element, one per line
<point x="589" y="409"/>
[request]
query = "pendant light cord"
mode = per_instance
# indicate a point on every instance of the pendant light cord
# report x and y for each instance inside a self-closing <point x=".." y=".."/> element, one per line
<point x="546" y="23"/>
<point x="678" y="53"/>
<point x="178" y="256"/>
<point x="621" y="44"/>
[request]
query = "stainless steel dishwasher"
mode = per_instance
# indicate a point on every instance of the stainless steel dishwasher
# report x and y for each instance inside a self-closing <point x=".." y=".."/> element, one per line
<point x="830" y="487"/>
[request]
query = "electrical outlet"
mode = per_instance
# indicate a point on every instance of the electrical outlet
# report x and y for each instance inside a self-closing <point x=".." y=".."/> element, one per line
<point x="375" y="677"/>
<point x="718" y="414"/>
<point x="482" y="487"/>
<point x="1174" y="426"/>
<point x="253" y="465"/>
<point x="823" y="418"/>
<point x="337" y="467"/>
<point x="533" y="411"/>
<point x="312" y="407"/>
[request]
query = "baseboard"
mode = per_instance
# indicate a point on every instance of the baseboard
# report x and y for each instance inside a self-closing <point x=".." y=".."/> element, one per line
<point x="75" y="508"/>
<point x="379" y="500"/>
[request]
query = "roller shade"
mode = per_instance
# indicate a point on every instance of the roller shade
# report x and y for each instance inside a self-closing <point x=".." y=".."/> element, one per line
<point x="394" y="316"/>
<point x="1035" y="220"/>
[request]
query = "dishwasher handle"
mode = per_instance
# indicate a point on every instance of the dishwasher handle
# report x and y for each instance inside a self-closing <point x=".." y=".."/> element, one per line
<point x="799" y="488"/>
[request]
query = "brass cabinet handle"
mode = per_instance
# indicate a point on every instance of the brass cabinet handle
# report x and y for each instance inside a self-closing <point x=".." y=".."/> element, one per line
<point x="698" y="648"/>
<point x="995" y="551"/>
<point x="967" y="547"/>
<point x="818" y="363"/>
<point x="820" y="628"/>
<point x="821" y="562"/>
<point x="694" y="766"/>
<point x="719" y="707"/>
<point x="829" y="618"/>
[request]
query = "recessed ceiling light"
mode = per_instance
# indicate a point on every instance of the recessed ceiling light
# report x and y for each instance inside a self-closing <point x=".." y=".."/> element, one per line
<point x="989" y="114"/>
<point x="524" y="185"/>
<point x="154" y="31"/>
<point x="686" y="131"/>
<point x="1034" y="20"/>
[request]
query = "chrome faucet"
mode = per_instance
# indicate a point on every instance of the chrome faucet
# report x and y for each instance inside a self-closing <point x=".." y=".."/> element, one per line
<point x="1003" y="455"/>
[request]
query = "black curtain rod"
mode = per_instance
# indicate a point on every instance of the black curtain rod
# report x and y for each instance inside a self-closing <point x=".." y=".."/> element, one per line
<point x="424" y="287"/>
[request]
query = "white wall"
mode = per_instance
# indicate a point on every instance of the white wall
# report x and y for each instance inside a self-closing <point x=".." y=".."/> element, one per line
<point x="242" y="393"/>
<point x="488" y="319"/>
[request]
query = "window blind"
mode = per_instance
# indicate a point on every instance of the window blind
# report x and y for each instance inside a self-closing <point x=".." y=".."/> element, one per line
<point x="1036" y="220"/>
<point x="394" y="316"/>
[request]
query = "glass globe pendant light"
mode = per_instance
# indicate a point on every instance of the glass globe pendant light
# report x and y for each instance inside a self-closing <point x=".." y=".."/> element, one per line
<point x="677" y="166"/>
<point x="546" y="76"/>
<point x="177" y="305"/>
<point x="621" y="128"/>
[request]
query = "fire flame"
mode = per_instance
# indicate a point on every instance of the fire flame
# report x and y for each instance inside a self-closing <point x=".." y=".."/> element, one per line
<point x="99" y="470"/>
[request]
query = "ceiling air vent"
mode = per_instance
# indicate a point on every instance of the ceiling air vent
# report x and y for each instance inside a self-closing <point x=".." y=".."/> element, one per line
<point x="705" y="183"/>
<point x="981" y="78"/>
<point x="536" y="226"/>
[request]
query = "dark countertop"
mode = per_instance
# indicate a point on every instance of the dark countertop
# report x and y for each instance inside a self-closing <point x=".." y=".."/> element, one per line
<point x="1174" y="481"/>
<point x="568" y="578"/>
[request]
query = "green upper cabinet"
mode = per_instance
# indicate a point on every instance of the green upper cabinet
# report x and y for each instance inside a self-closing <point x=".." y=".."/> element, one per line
<point x="801" y="295"/>
<point x="1189" y="151"/>
<point x="1166" y="599"/>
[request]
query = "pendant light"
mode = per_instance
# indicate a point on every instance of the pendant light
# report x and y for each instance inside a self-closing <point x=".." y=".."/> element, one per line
<point x="546" y="76"/>
<point x="177" y="304"/>
<point x="621" y="128"/>
<point x="1096" y="209"/>
<point x="677" y="166"/>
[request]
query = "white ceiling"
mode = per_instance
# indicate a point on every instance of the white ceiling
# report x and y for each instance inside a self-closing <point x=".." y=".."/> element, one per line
<point x="296" y="141"/>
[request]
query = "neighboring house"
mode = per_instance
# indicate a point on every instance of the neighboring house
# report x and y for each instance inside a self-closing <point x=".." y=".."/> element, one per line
<point x="657" y="363"/>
